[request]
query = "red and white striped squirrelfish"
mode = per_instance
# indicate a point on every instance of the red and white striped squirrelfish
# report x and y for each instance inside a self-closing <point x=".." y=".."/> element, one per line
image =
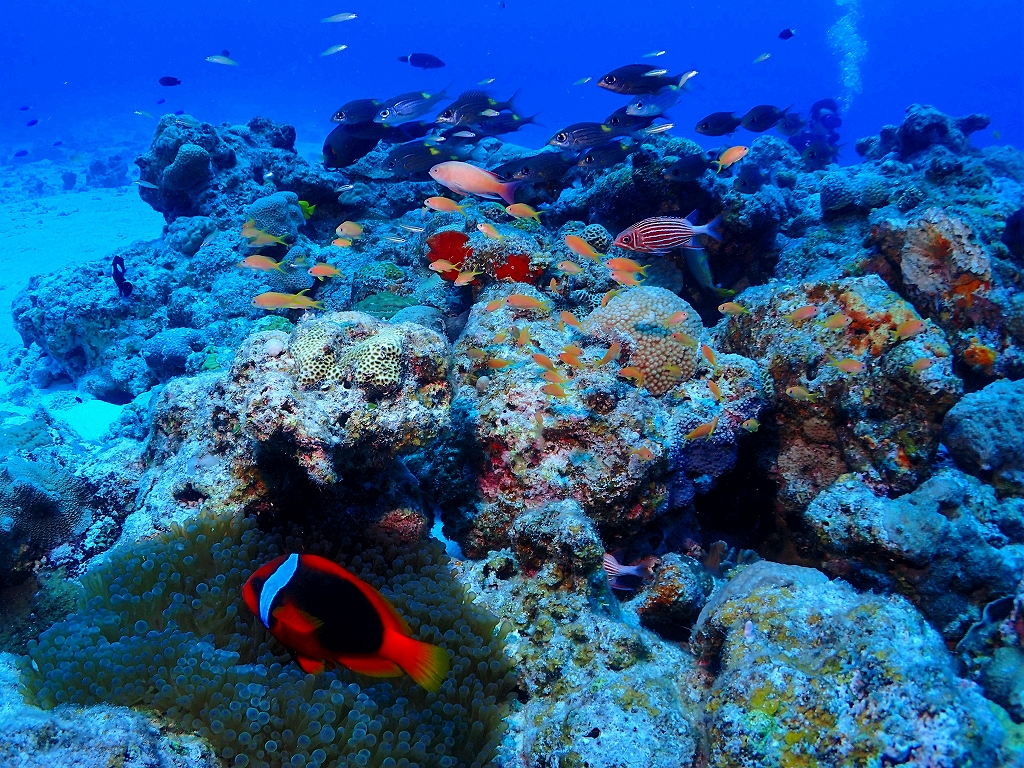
<point x="325" y="615"/>
<point x="661" y="234"/>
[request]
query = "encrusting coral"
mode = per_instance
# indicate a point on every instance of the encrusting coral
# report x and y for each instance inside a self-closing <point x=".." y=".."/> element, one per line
<point x="163" y="626"/>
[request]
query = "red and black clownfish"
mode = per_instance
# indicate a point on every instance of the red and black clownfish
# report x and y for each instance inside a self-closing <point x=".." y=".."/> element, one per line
<point x="325" y="615"/>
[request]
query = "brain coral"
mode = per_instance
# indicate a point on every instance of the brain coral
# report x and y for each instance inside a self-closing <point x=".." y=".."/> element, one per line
<point x="190" y="169"/>
<point x="598" y="237"/>
<point x="163" y="626"/>
<point x="837" y="192"/>
<point x="640" y="318"/>
<point x="376" y="361"/>
<point x="278" y="214"/>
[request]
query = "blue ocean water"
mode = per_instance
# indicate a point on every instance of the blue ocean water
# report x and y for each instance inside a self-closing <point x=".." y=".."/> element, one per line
<point x="85" y="68"/>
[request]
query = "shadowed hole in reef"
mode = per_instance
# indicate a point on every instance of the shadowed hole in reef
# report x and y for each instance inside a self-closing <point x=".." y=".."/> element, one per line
<point x="114" y="396"/>
<point x="740" y="508"/>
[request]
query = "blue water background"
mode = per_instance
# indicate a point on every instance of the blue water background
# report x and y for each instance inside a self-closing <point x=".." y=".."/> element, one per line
<point x="85" y="67"/>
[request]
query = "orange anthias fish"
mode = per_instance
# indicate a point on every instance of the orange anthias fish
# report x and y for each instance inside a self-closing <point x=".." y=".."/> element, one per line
<point x="326" y="616"/>
<point x="709" y="355"/>
<point x="350" y="229"/>
<point x="803" y="313"/>
<point x="322" y="270"/>
<point x="581" y="247"/>
<point x="908" y="330"/>
<point x="732" y="309"/>
<point x="676" y="318"/>
<point x="465" y="278"/>
<point x="627" y="279"/>
<point x="260" y="263"/>
<point x="443" y="265"/>
<point x="466" y="179"/>
<point x="524" y="337"/>
<point x="523" y="211"/>
<point x="490" y="231"/>
<point x="569" y="267"/>
<point x="522" y="301"/>
<point x="342" y="242"/>
<point x="555" y="390"/>
<point x="629" y="266"/>
<point x="730" y="157"/>
<point x="571" y="356"/>
<point x="643" y="453"/>
<point x="847" y="365"/>
<point x="632" y="373"/>
<point x="685" y="339"/>
<point x="544" y="361"/>
<point x="612" y="354"/>
<point x="569" y="319"/>
<point x="609" y="296"/>
<point x="497" y="362"/>
<point x="921" y="364"/>
<point x="491" y="306"/>
<point x="444" y="205"/>
<point x="836" y="321"/>
<point x="275" y="300"/>
<point x="554" y="377"/>
<point x="716" y="391"/>
<point x="704" y="430"/>
<point x="258" y="237"/>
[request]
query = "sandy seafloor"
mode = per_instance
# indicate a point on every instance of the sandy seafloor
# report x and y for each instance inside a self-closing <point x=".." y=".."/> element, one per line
<point x="57" y="231"/>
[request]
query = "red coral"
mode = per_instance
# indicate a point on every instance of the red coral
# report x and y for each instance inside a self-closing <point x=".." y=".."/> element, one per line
<point x="517" y="269"/>
<point x="452" y="246"/>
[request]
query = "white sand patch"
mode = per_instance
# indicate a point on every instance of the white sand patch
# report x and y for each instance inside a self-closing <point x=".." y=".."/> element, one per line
<point x="45" y="234"/>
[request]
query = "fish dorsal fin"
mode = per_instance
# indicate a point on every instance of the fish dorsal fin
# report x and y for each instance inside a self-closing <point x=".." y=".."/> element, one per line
<point x="692" y="217"/>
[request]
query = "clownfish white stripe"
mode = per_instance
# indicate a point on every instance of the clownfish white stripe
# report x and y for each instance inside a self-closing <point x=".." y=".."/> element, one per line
<point x="278" y="580"/>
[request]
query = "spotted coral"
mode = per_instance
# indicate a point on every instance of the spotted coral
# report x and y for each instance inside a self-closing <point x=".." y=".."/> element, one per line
<point x="190" y="169"/>
<point x="163" y="626"/>
<point x="639" y="320"/>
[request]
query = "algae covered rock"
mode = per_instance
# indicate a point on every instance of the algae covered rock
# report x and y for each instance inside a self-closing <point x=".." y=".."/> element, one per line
<point x="813" y="673"/>
<point x="985" y="434"/>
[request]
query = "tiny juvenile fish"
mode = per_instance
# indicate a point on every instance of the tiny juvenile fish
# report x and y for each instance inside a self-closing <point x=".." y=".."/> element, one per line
<point x="522" y="301"/>
<point x="465" y="278"/>
<point x="652" y="54"/>
<point x="338" y="17"/>
<point x="395" y="239"/>
<point x="836" y="321"/>
<point x="732" y="309"/>
<point x="569" y="319"/>
<point x="487" y="81"/>
<point x="612" y="354"/>
<point x="490" y="231"/>
<point x="583" y="81"/>
<point x="581" y="247"/>
<point x="323" y="270"/>
<point x="655" y="129"/>
<point x="751" y="425"/>
<point x="627" y="279"/>
<point x="411" y="228"/>
<point x="626" y="265"/>
<point x="705" y="430"/>
<point x="333" y="50"/>
<point x="847" y="365"/>
<point x="147" y="185"/>
<point x="218" y="59"/>
<point x="908" y="329"/>
<point x="762" y="57"/>
<point x="443" y="205"/>
<point x="632" y="373"/>
<point x="555" y="390"/>
<point x="801" y="393"/>
<point x="730" y="157"/>
<point x="522" y="211"/>
<point x="260" y="263"/>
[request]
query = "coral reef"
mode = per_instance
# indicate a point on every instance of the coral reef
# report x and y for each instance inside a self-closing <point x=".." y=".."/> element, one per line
<point x="985" y="435"/>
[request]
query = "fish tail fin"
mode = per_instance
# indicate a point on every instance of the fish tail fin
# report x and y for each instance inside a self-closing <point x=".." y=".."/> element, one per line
<point x="444" y="92"/>
<point x="508" y="191"/>
<point x="532" y="120"/>
<point x="404" y="59"/>
<point x="711" y="228"/>
<point x="611" y="565"/>
<point x="510" y="104"/>
<point x="317" y="304"/>
<point x="718" y="166"/>
<point x="427" y="664"/>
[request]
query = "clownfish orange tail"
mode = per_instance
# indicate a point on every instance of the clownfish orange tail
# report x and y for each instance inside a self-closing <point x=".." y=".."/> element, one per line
<point x="425" y="663"/>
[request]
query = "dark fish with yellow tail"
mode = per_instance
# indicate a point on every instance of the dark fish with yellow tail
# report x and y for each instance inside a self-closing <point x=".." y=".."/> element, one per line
<point x="718" y="124"/>
<point x="325" y="616"/>
<point x="580" y="136"/>
<point x="635" y="79"/>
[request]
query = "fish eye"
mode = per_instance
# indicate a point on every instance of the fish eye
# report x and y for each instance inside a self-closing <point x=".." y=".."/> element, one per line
<point x="610" y="79"/>
<point x="639" y="105"/>
<point x="627" y="239"/>
<point x="562" y="136"/>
